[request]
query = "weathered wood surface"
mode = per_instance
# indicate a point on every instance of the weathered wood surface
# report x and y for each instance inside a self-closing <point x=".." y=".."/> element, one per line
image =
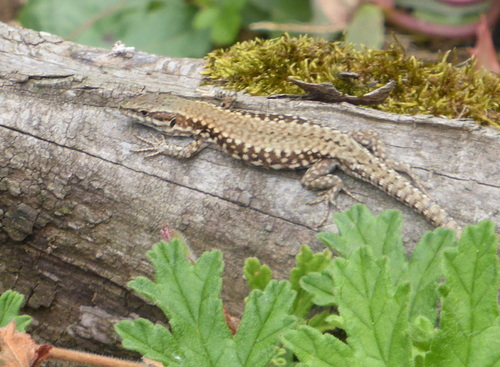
<point x="79" y="209"/>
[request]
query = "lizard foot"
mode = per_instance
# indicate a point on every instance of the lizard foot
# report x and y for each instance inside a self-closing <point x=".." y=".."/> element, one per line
<point x="160" y="146"/>
<point x="329" y="198"/>
<point x="156" y="145"/>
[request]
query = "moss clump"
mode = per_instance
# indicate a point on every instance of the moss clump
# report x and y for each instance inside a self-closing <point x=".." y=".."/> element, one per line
<point x="261" y="67"/>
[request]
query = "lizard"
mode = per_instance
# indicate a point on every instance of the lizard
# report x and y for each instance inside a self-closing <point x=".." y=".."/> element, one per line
<point x="283" y="142"/>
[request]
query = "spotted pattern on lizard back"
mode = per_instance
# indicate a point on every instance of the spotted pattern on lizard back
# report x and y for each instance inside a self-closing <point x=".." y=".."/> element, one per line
<point x="283" y="142"/>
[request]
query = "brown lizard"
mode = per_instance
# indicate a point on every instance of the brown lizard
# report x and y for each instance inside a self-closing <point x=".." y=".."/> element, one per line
<point x="283" y="142"/>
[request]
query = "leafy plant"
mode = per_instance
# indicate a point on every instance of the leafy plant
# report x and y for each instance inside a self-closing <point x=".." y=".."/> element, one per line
<point x="189" y="295"/>
<point x="10" y="304"/>
<point x="387" y="305"/>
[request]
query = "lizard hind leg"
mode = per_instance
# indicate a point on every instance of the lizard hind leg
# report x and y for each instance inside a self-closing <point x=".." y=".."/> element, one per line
<point x="319" y="177"/>
<point x="375" y="145"/>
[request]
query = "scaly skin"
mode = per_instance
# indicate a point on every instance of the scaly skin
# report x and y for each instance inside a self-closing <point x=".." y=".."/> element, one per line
<point x="283" y="142"/>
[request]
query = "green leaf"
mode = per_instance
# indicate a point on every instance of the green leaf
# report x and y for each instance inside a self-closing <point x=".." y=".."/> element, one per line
<point x="424" y="273"/>
<point x="257" y="275"/>
<point x="470" y="326"/>
<point x="206" y="17"/>
<point x="226" y="27"/>
<point x="320" y="286"/>
<point x="167" y="30"/>
<point x="318" y="350"/>
<point x="375" y="315"/>
<point x="367" y="27"/>
<point x="359" y="227"/>
<point x="422" y="332"/>
<point x="324" y="321"/>
<point x="152" y="341"/>
<point x="224" y="20"/>
<point x="190" y="297"/>
<point x="307" y="263"/>
<point x="266" y="317"/>
<point x="10" y="304"/>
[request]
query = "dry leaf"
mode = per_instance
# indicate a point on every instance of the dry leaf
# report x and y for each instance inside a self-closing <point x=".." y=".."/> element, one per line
<point x="16" y="349"/>
<point x="42" y="354"/>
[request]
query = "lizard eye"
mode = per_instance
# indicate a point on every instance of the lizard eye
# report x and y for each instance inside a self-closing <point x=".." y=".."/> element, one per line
<point x="172" y="122"/>
<point x="143" y="112"/>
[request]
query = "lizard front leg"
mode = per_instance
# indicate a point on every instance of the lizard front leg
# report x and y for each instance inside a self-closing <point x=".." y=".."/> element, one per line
<point x="374" y="143"/>
<point x="319" y="177"/>
<point x="160" y="146"/>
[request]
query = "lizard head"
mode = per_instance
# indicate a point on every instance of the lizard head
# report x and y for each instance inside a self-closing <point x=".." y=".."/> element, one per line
<point x="157" y="110"/>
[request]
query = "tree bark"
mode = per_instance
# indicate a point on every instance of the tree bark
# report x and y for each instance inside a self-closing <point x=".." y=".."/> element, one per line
<point x="79" y="209"/>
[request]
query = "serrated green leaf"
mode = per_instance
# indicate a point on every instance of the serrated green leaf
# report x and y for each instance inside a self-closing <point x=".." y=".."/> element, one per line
<point x="257" y="275"/>
<point x="190" y="297"/>
<point x="424" y="272"/>
<point x="375" y="315"/>
<point x="318" y="350"/>
<point x="307" y="263"/>
<point x="367" y="27"/>
<point x="320" y="286"/>
<point x="10" y="304"/>
<point x="266" y="317"/>
<point x="470" y="332"/>
<point x="152" y="341"/>
<point x="359" y="227"/>
<point x="22" y="322"/>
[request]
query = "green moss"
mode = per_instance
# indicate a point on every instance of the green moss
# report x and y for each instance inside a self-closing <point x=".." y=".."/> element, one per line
<point x="261" y="67"/>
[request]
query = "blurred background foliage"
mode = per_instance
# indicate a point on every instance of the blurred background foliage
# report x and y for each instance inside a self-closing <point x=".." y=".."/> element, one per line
<point x="176" y="28"/>
<point x="192" y="28"/>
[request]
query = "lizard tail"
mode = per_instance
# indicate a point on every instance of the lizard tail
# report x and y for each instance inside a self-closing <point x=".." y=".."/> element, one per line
<point x="404" y="191"/>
